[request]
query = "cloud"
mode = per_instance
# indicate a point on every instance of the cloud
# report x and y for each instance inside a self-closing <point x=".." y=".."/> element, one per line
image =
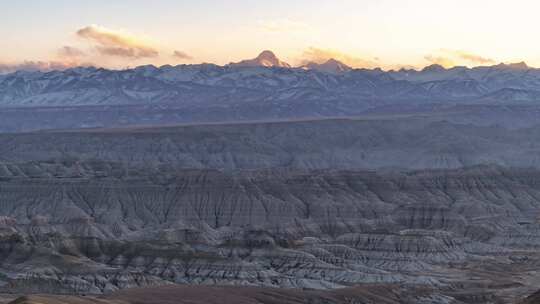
<point x="474" y="58"/>
<point x="182" y="55"/>
<point x="282" y="26"/>
<point x="450" y="58"/>
<point x="318" y="55"/>
<point x="117" y="43"/>
<point x="122" y="52"/>
<point x="35" y="66"/>
<point x="70" y="52"/>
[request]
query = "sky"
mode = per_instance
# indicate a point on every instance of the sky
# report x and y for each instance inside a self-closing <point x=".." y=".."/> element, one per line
<point x="361" y="33"/>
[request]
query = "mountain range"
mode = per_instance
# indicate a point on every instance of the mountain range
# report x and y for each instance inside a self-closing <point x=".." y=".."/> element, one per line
<point x="266" y="79"/>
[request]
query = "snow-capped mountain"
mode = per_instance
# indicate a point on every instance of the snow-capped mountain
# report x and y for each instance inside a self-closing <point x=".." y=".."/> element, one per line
<point x="265" y="59"/>
<point x="328" y="87"/>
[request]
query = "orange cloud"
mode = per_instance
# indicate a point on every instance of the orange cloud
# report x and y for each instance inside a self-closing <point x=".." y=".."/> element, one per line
<point x="318" y="55"/>
<point x="116" y="43"/>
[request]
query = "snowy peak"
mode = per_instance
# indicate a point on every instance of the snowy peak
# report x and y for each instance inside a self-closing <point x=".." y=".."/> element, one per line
<point x="332" y="66"/>
<point x="265" y="59"/>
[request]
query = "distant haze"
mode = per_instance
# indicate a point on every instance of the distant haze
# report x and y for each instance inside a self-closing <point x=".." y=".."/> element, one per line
<point x="386" y="33"/>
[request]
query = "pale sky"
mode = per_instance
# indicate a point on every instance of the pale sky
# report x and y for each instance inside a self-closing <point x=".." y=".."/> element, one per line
<point x="362" y="33"/>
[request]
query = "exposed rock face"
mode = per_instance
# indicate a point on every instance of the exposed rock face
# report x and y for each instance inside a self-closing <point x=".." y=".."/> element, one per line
<point x="94" y="227"/>
<point x="313" y="205"/>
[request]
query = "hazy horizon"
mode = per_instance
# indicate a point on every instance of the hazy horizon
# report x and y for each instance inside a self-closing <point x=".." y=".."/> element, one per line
<point x="362" y="34"/>
<point x="58" y="66"/>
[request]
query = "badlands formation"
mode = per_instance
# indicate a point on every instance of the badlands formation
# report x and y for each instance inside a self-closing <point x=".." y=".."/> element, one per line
<point x="98" y="211"/>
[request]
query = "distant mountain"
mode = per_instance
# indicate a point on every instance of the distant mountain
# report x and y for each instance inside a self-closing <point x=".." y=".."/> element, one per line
<point x="513" y="66"/>
<point x="437" y="68"/>
<point x="265" y="59"/>
<point x="326" y="89"/>
<point x="331" y="66"/>
<point x="519" y="73"/>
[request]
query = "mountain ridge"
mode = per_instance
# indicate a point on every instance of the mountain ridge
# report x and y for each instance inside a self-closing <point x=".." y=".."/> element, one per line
<point x="97" y="97"/>
<point x="270" y="80"/>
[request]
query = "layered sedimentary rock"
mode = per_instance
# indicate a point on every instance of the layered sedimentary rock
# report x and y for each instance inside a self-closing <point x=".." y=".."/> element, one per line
<point x="95" y="227"/>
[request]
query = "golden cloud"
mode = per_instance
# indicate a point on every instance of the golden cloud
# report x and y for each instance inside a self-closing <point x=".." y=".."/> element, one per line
<point x="117" y="43"/>
<point x="318" y="55"/>
<point x="450" y="58"/>
<point x="473" y="57"/>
